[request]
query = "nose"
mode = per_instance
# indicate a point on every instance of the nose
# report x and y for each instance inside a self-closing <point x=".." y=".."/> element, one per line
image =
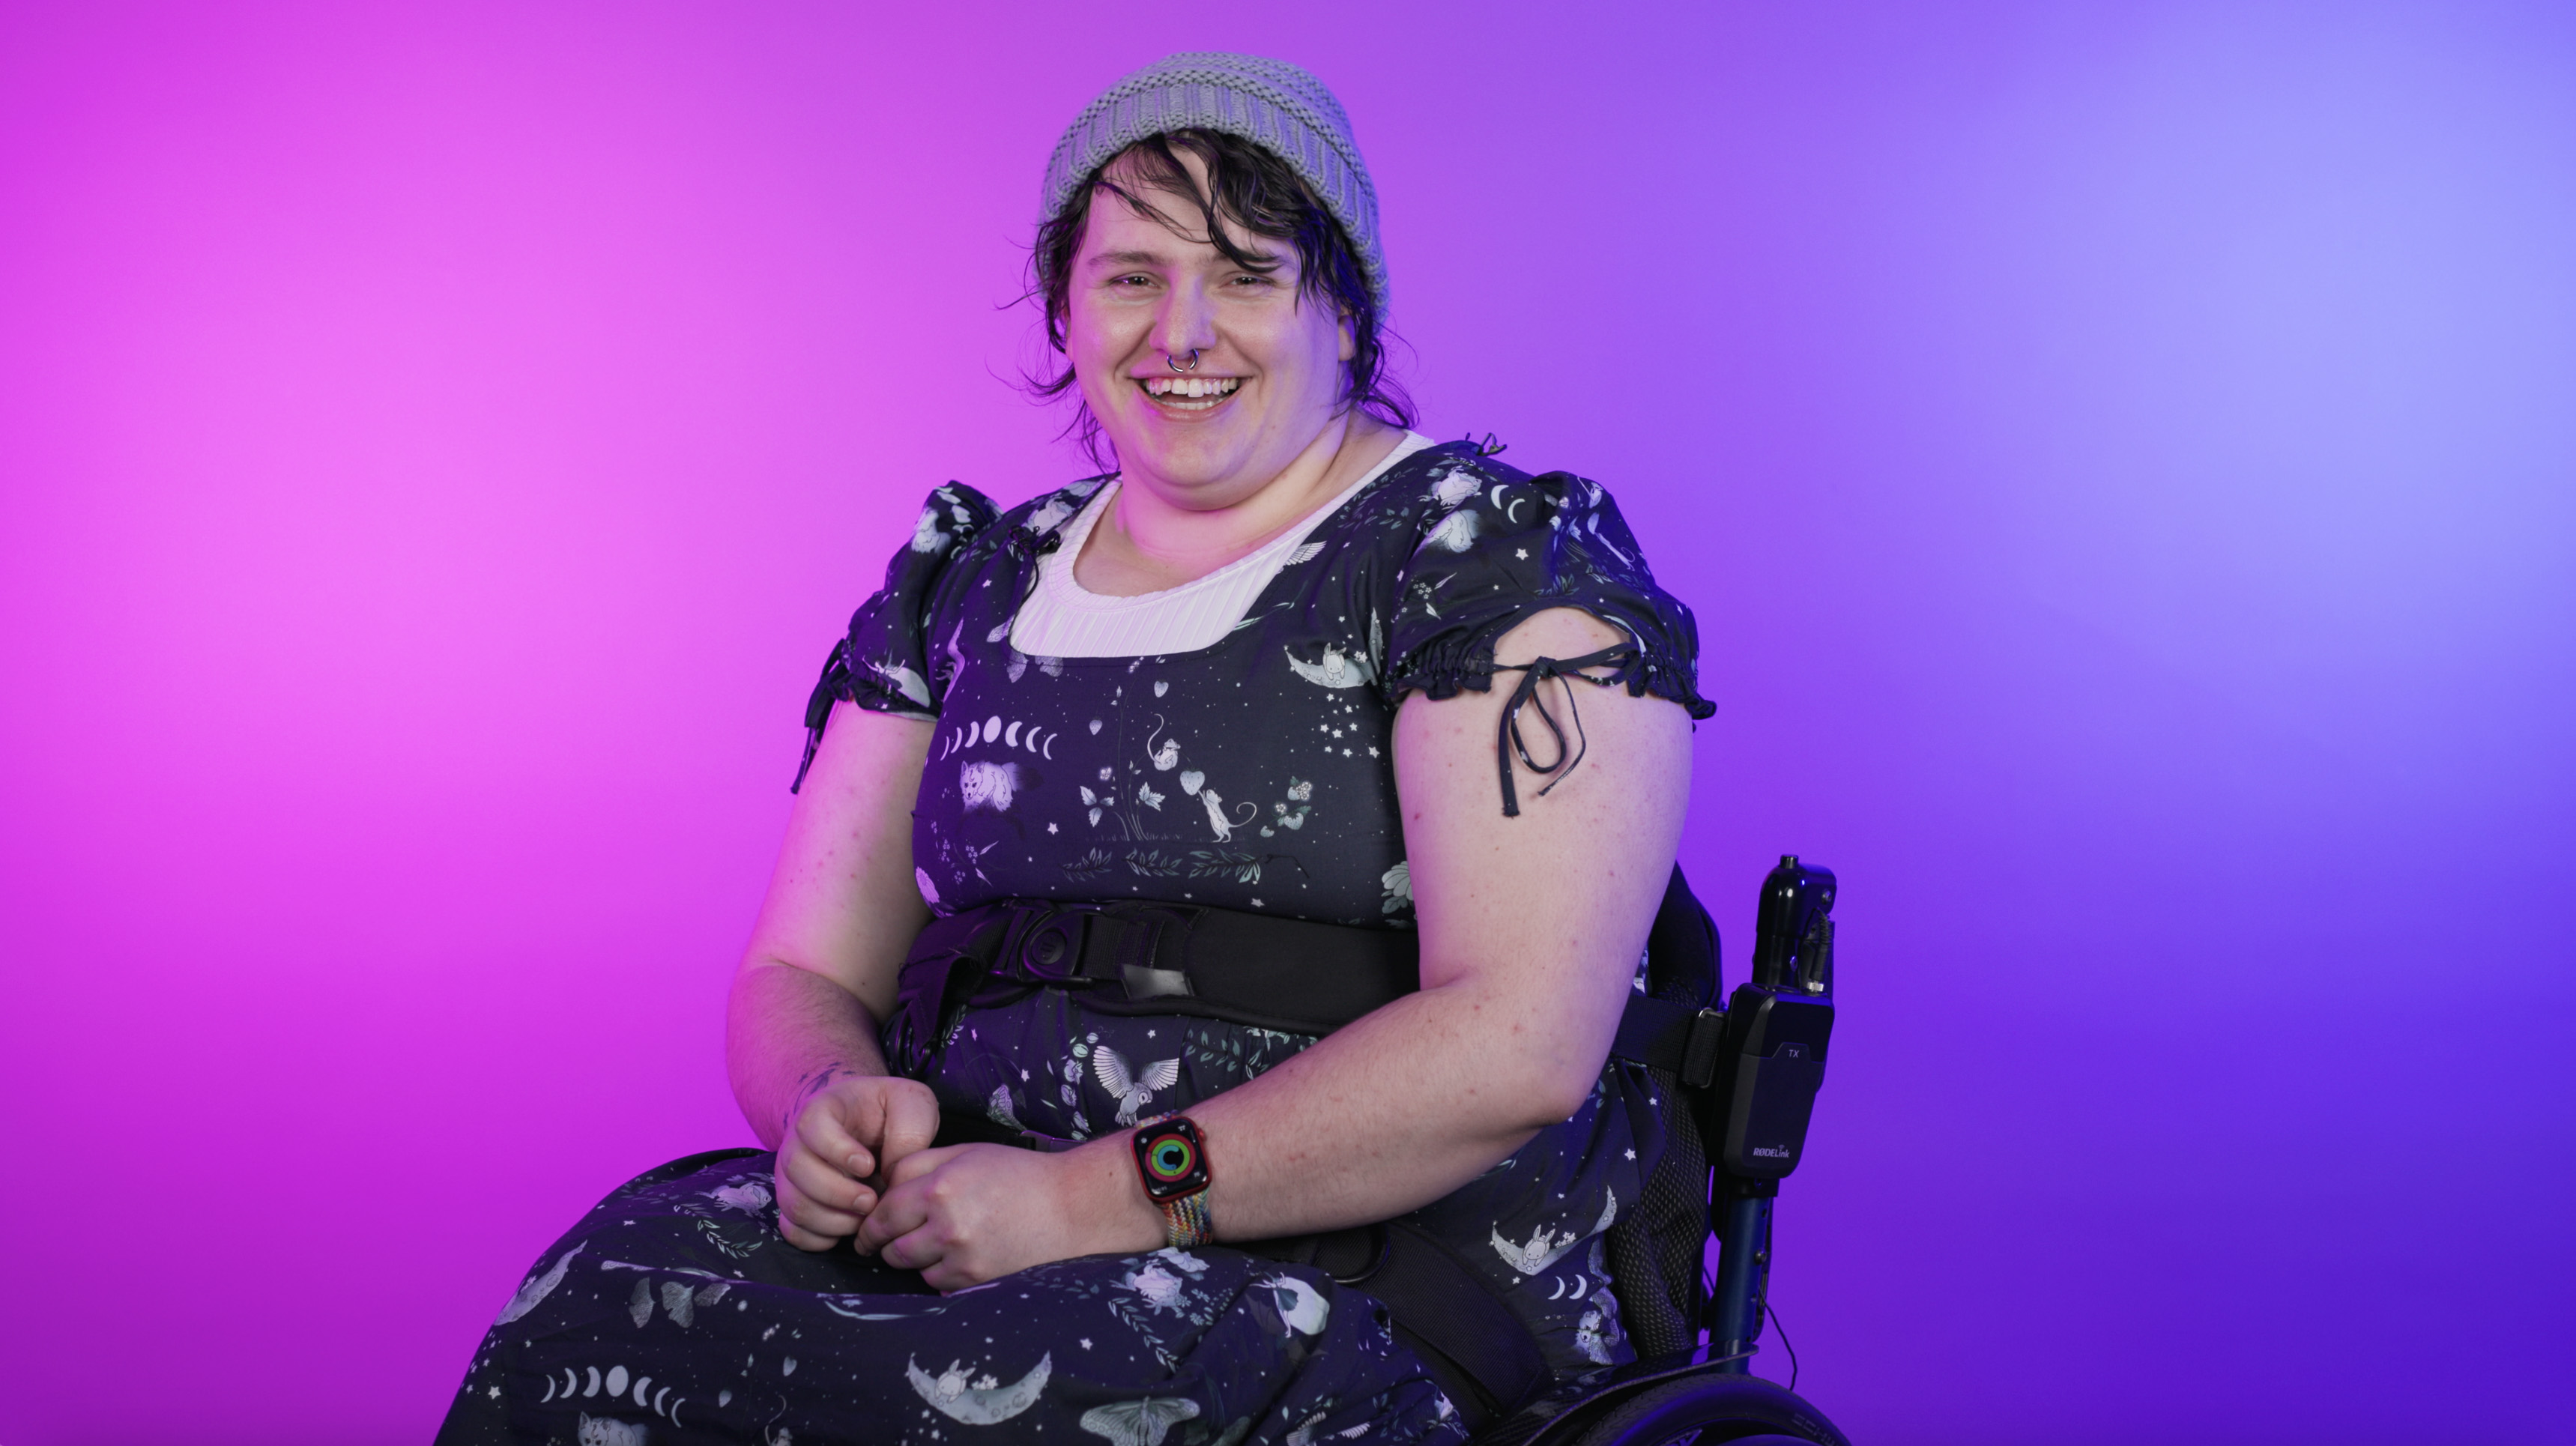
<point x="1187" y="323"/>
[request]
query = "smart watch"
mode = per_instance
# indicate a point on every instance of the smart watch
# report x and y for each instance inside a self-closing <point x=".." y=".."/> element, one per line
<point x="1171" y="1158"/>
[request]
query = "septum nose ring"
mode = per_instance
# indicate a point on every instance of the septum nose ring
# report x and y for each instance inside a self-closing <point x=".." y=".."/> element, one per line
<point x="1174" y="362"/>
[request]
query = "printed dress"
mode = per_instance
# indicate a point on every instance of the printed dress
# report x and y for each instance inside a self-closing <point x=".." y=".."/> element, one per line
<point x="1254" y="774"/>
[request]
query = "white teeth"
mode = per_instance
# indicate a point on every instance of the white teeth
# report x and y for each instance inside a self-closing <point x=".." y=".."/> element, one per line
<point x="1191" y="387"/>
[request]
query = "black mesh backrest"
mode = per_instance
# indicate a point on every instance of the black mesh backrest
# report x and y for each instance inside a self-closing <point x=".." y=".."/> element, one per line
<point x="1656" y="1248"/>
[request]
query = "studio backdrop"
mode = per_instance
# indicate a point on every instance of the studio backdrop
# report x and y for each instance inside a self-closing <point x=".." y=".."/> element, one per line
<point x="2122" y="458"/>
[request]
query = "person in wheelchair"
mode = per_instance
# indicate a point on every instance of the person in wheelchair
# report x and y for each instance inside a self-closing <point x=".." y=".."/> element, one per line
<point x="1184" y="1005"/>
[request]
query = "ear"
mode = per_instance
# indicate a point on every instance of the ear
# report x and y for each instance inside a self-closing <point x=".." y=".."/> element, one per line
<point x="1350" y="336"/>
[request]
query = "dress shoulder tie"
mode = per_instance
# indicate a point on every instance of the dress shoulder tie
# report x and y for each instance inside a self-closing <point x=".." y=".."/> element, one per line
<point x="1620" y="658"/>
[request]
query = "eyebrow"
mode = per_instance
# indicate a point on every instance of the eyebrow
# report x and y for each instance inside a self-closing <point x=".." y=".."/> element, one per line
<point x="1127" y="258"/>
<point x="1157" y="258"/>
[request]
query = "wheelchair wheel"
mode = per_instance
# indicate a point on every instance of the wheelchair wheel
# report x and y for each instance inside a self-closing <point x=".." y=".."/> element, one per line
<point x="1709" y="1408"/>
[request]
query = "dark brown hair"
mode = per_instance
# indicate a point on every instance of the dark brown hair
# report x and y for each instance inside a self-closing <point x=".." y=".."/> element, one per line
<point x="1257" y="191"/>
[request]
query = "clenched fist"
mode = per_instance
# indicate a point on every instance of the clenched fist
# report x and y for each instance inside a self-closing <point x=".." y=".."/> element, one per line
<point x="844" y="1136"/>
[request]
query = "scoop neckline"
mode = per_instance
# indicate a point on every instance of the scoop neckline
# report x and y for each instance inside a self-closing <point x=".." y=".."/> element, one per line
<point x="1069" y="592"/>
<point x="1131" y="661"/>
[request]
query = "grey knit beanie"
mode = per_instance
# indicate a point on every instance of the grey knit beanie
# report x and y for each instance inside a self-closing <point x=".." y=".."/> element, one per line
<point x="1275" y="105"/>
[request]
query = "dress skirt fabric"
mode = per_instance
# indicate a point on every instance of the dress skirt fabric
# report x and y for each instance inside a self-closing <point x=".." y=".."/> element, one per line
<point x="675" y="1312"/>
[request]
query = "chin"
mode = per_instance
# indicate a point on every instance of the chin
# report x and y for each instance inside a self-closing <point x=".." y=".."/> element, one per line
<point x="1195" y="456"/>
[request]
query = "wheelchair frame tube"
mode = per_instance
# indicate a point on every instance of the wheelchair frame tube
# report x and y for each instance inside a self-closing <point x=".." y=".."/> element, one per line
<point x="1743" y="1273"/>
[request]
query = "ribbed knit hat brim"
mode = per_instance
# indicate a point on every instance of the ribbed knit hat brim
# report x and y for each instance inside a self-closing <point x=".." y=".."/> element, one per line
<point x="1277" y="106"/>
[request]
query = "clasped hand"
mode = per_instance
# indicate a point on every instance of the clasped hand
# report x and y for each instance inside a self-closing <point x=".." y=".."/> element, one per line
<point x="858" y="1165"/>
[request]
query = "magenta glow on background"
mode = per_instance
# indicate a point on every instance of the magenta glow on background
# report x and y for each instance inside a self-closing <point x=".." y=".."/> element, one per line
<point x="2123" y="457"/>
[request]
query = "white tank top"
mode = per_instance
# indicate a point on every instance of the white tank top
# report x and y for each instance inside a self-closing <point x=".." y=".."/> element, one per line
<point x="1063" y="619"/>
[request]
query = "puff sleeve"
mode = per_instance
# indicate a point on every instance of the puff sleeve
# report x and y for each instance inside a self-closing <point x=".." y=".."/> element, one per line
<point x="1497" y="546"/>
<point x="883" y="662"/>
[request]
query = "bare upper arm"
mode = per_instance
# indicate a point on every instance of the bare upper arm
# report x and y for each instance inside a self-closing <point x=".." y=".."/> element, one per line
<point x="1546" y="913"/>
<point x="842" y="902"/>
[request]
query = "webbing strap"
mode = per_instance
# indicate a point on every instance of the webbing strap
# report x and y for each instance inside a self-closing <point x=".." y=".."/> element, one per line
<point x="1257" y="969"/>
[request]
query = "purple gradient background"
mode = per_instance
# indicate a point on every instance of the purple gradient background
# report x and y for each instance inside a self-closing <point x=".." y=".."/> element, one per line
<point x="2124" y="458"/>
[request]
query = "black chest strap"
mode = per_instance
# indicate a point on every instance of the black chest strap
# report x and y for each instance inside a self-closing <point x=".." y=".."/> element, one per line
<point x="1261" y="970"/>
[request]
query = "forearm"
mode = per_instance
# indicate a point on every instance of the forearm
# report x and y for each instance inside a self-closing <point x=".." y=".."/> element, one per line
<point x="832" y="932"/>
<point x="789" y="1032"/>
<point x="1385" y="1116"/>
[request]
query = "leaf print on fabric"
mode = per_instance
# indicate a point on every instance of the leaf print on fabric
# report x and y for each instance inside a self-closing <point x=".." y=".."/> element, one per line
<point x="1133" y="1090"/>
<point x="1090" y="865"/>
<point x="1243" y="868"/>
<point x="1398" y="883"/>
<point x="1146" y="795"/>
<point x="982" y="1400"/>
<point x="534" y="1293"/>
<point x="1139" y="1423"/>
<point x="1155" y="864"/>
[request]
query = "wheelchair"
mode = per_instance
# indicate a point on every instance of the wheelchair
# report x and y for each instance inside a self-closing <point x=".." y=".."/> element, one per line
<point x="1736" y="1115"/>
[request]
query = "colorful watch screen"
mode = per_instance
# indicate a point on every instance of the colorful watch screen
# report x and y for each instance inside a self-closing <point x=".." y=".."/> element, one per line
<point x="1172" y="1158"/>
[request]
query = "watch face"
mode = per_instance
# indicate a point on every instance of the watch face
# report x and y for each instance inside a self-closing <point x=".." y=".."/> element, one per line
<point x="1172" y="1158"/>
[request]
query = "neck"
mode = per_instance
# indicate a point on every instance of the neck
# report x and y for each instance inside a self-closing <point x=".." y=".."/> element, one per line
<point x="1149" y="542"/>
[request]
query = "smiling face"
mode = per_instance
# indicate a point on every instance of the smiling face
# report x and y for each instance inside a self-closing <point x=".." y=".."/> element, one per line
<point x="1144" y="292"/>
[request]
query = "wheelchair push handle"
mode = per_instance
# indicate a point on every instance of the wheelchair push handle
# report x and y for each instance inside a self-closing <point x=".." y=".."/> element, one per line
<point x="1793" y="938"/>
